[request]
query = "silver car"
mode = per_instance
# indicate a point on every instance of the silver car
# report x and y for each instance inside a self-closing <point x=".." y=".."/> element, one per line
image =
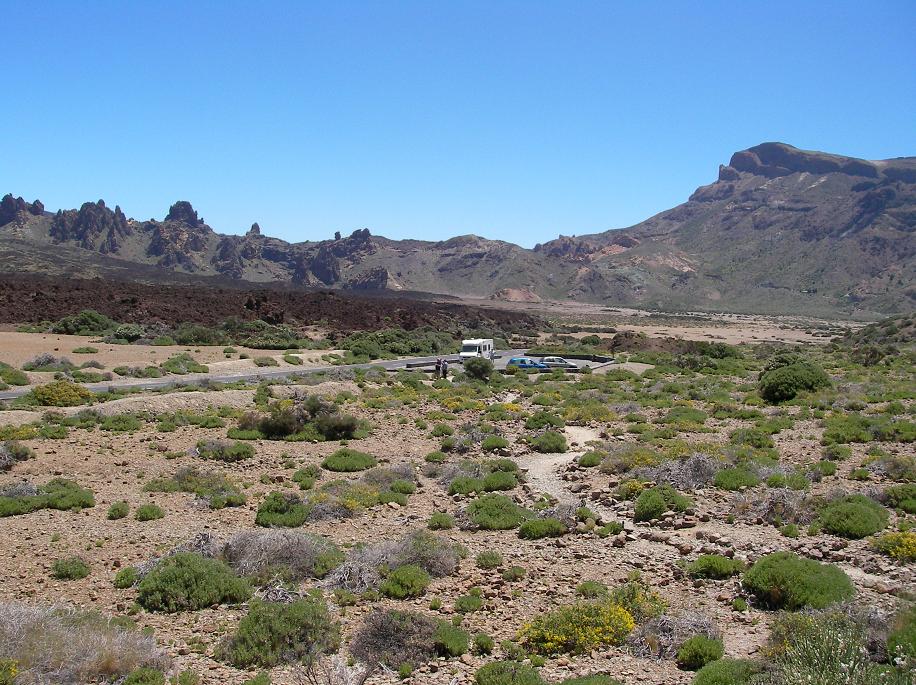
<point x="558" y="363"/>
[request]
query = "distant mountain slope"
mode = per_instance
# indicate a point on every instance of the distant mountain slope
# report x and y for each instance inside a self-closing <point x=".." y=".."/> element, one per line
<point x="782" y="230"/>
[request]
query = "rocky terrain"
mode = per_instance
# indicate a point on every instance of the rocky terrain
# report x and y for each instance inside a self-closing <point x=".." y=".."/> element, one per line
<point x="446" y="525"/>
<point x="781" y="230"/>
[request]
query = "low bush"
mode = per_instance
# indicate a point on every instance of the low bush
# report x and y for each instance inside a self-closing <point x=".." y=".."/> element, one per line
<point x="118" y="510"/>
<point x="222" y="450"/>
<point x="346" y="460"/>
<point x="11" y="453"/>
<point x="640" y="600"/>
<point x="900" y="546"/>
<point x="148" y="512"/>
<point x="507" y="673"/>
<point x="853" y="517"/>
<point x="281" y="510"/>
<point x="577" y="628"/>
<point x="492" y="443"/>
<point x="549" y="442"/>
<point x="483" y="644"/>
<point x="449" y="640"/>
<point x="784" y="580"/>
<point x="126" y="577"/>
<point x="58" y="494"/>
<point x="70" y="568"/>
<point x="592" y="589"/>
<point x="653" y="502"/>
<point x="784" y="383"/>
<point x="187" y="582"/>
<point x="12" y="376"/>
<point x="699" y="651"/>
<point x="265" y="361"/>
<point x="441" y="520"/>
<point x="478" y="368"/>
<point x="735" y="479"/>
<point x="395" y="638"/>
<point x="591" y="459"/>
<point x="65" y="646"/>
<point x="496" y="512"/>
<point x="293" y="555"/>
<point x="212" y="487"/>
<point x="489" y="559"/>
<point x="535" y="529"/>
<point x="61" y="393"/>
<point x="902" y="497"/>
<point x="726" y="672"/>
<point x="271" y="634"/>
<point x="714" y="566"/>
<point x="121" y="423"/>
<point x="405" y="581"/>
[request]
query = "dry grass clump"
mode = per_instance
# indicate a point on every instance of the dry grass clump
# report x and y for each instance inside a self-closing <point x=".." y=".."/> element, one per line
<point x="255" y="553"/>
<point x="363" y="569"/>
<point x="62" y="645"/>
<point x="662" y="636"/>
<point x="777" y="506"/>
<point x="691" y="473"/>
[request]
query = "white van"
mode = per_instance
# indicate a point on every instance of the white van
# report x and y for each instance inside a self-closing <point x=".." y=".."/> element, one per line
<point x="479" y="347"/>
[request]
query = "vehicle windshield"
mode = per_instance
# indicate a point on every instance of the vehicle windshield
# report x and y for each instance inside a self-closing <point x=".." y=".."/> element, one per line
<point x="470" y="348"/>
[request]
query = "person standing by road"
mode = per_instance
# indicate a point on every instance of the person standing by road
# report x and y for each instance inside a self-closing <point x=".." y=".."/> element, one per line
<point x="438" y="367"/>
<point x="445" y="368"/>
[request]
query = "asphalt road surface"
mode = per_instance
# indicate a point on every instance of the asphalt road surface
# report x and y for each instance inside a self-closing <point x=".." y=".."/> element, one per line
<point x="259" y="374"/>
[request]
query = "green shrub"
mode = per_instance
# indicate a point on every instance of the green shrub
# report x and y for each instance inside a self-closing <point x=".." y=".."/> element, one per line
<point x="577" y="628"/>
<point x="347" y="460"/>
<point x="120" y="423"/>
<point x="491" y="443"/>
<point x="853" y="517"/>
<point x="118" y="510"/>
<point x="220" y="450"/>
<point x="213" y="487"/>
<point x="125" y="578"/>
<point x="593" y="679"/>
<point x="513" y="574"/>
<point x="784" y="580"/>
<point x="726" y="672"/>
<point x="638" y="598"/>
<point x="543" y="419"/>
<point x="535" y="529"/>
<point x="71" y="568"/>
<point x="489" y="559"/>
<point x="265" y="361"/>
<point x="60" y="494"/>
<point x="653" y="502"/>
<point x="405" y="581"/>
<point x="902" y="497"/>
<point x="714" y="566"/>
<point x="698" y="651"/>
<point x="591" y="589"/>
<point x="901" y="641"/>
<point x="483" y="644"/>
<point x="785" y="382"/>
<point x="181" y="364"/>
<point x="441" y="430"/>
<point x="280" y="510"/>
<point x="507" y="673"/>
<point x="496" y="512"/>
<point x="735" y="479"/>
<point x="275" y="633"/>
<point x="12" y="376"/>
<point x="188" y="582"/>
<point x="61" y="393"/>
<point x="262" y="678"/>
<point x="469" y="603"/>
<point x="449" y="640"/>
<point x="478" y="368"/>
<point x="148" y="512"/>
<point x="145" y="676"/>
<point x="441" y="520"/>
<point x="436" y="457"/>
<point x="549" y="442"/>
<point x="591" y="459"/>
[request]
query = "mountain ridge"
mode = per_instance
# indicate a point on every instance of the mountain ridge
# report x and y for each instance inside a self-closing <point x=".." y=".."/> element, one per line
<point x="780" y="230"/>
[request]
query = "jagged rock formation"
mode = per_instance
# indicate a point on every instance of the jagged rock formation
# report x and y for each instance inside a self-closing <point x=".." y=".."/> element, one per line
<point x="780" y="230"/>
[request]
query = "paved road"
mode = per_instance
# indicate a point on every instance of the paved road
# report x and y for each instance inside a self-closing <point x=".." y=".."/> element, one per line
<point x="257" y="374"/>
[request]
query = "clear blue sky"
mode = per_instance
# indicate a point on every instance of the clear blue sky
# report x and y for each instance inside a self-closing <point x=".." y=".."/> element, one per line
<point x="512" y="120"/>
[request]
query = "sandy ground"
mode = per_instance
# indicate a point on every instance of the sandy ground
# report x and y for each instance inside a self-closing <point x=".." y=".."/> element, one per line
<point x="18" y="348"/>
<point x="729" y="328"/>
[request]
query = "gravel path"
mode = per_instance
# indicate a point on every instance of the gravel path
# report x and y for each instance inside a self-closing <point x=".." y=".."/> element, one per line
<point x="543" y="470"/>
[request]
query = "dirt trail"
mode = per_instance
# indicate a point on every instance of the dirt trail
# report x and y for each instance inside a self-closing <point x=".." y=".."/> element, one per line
<point x="543" y="470"/>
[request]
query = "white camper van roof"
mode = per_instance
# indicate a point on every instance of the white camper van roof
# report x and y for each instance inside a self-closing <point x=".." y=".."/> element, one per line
<point x="475" y="341"/>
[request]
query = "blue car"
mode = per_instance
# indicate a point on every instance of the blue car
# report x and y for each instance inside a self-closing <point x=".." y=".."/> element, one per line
<point x="526" y="363"/>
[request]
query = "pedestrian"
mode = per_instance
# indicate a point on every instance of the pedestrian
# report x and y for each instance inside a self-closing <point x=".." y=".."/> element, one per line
<point x="438" y="367"/>
<point x="445" y="368"/>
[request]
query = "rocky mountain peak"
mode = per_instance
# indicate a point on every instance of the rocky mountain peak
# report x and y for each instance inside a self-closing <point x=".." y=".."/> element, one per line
<point x="182" y="212"/>
<point x="93" y="226"/>
<point x="255" y="229"/>
<point x="12" y="208"/>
